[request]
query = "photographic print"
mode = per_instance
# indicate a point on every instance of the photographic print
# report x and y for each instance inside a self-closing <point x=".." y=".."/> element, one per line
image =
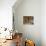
<point x="28" y="19"/>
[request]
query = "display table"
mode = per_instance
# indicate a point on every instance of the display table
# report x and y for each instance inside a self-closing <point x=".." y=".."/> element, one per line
<point x="2" y="40"/>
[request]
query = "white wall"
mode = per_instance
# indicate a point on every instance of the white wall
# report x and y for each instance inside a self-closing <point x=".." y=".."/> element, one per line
<point x="6" y="13"/>
<point x="29" y="8"/>
<point x="43" y="22"/>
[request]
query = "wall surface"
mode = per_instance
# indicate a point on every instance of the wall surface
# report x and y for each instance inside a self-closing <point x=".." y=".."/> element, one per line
<point x="43" y="22"/>
<point x="29" y="8"/>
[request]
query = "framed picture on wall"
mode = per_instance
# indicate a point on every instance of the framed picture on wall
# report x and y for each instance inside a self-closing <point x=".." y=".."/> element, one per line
<point x="28" y="19"/>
